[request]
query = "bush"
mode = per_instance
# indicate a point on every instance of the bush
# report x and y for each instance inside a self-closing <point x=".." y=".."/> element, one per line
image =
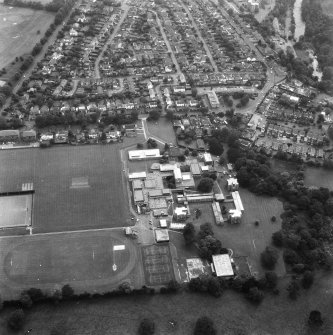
<point x="273" y="218"/>
<point x="315" y="319"/>
<point x="67" y="292"/>
<point x="293" y="289"/>
<point x="307" y="279"/>
<point x="25" y="300"/>
<point x="271" y="279"/>
<point x="147" y="327"/>
<point x="204" y="326"/>
<point x="269" y="258"/>
<point x="255" y="295"/>
<point x="16" y="320"/>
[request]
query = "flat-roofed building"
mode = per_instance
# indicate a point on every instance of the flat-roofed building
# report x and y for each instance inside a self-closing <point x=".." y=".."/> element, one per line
<point x="222" y="266"/>
<point x="181" y="213"/>
<point x="163" y="223"/>
<point x="234" y="216"/>
<point x="161" y="235"/>
<point x="232" y="184"/>
<point x="137" y="175"/>
<point x="138" y="196"/>
<point x="213" y="99"/>
<point x="177" y="174"/>
<point x="208" y="158"/>
<point x="238" y="201"/>
<point x="144" y="154"/>
<point x="195" y="169"/>
<point x="137" y="184"/>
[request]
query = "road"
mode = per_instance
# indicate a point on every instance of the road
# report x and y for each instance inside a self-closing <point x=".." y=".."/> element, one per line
<point x="166" y="41"/>
<point x="208" y="53"/>
<point x="115" y="31"/>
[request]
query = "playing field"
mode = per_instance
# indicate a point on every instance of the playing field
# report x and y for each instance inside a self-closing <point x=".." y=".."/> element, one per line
<point x="95" y="260"/>
<point x="247" y="239"/>
<point x="157" y="264"/>
<point x="75" y="187"/>
<point x="18" y="31"/>
<point x="15" y="210"/>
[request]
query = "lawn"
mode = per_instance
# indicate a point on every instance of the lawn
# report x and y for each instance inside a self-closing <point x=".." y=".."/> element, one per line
<point x="18" y="31"/>
<point x="232" y="314"/>
<point x="75" y="187"/>
<point x="163" y="130"/>
<point x="327" y="6"/>
<point x="319" y="177"/>
<point x="85" y="260"/>
<point x="249" y="240"/>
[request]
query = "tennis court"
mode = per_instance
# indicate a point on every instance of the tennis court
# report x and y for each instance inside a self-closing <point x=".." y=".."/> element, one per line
<point x="157" y="264"/>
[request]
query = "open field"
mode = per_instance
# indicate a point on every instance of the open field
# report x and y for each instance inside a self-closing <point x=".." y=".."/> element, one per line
<point x="162" y="129"/>
<point x="319" y="177"/>
<point x="75" y="187"/>
<point x="86" y="260"/>
<point x="15" y="210"/>
<point x="232" y="314"/>
<point x="18" y="31"/>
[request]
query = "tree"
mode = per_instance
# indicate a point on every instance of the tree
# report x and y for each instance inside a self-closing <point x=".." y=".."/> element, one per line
<point x="16" y="320"/>
<point x="215" y="147"/>
<point x="214" y="287"/>
<point x="209" y="246"/>
<point x="255" y="295"/>
<point x="293" y="289"/>
<point x="271" y="279"/>
<point x="189" y="233"/>
<point x="154" y="115"/>
<point x="205" y="185"/>
<point x="25" y="300"/>
<point x="278" y="238"/>
<point x="315" y="319"/>
<point x="67" y="292"/>
<point x="244" y="100"/>
<point x="307" y="279"/>
<point x="147" y="327"/>
<point x="204" y="326"/>
<point x="269" y="258"/>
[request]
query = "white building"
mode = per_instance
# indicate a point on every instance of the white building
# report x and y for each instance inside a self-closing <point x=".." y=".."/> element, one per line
<point x="207" y="158"/>
<point x="222" y="266"/>
<point x="232" y="184"/>
<point x="181" y="213"/>
<point x="144" y="154"/>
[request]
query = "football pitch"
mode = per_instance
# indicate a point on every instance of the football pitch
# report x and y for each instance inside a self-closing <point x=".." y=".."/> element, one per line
<point x="97" y="261"/>
<point x="76" y="188"/>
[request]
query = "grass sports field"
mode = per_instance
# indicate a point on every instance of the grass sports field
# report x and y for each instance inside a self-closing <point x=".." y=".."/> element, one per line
<point x="75" y="187"/>
<point x="18" y="31"/>
<point x="15" y="211"/>
<point x="94" y="261"/>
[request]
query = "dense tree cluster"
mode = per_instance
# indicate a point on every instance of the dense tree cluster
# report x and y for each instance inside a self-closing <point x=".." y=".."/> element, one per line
<point x="319" y="33"/>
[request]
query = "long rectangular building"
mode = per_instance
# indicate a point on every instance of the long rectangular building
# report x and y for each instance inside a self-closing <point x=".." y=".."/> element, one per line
<point x="144" y="154"/>
<point x="237" y="201"/>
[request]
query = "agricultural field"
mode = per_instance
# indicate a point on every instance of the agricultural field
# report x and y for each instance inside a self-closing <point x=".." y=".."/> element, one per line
<point x="94" y="260"/>
<point x="75" y="187"/>
<point x="232" y="314"/>
<point x="18" y="32"/>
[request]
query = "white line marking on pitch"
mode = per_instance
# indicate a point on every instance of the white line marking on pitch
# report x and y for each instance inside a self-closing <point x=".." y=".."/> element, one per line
<point x="93" y="254"/>
<point x="11" y="262"/>
<point x="254" y="244"/>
